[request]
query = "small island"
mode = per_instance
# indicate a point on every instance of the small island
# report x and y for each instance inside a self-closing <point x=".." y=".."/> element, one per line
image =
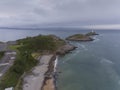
<point x="79" y="37"/>
<point x="82" y="37"/>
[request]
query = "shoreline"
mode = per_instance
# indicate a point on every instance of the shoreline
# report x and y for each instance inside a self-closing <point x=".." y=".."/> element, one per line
<point x="35" y="79"/>
<point x="49" y="82"/>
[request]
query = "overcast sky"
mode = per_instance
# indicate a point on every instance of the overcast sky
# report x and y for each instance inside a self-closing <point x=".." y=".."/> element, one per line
<point x="59" y="12"/>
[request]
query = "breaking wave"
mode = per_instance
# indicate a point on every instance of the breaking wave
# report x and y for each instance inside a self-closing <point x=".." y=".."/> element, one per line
<point x="104" y="60"/>
<point x="96" y="39"/>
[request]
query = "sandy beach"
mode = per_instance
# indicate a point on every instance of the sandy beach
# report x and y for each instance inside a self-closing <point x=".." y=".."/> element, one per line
<point x="34" y="80"/>
<point x="49" y="85"/>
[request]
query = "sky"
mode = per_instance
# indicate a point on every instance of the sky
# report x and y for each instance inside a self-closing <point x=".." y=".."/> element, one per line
<point x="60" y="13"/>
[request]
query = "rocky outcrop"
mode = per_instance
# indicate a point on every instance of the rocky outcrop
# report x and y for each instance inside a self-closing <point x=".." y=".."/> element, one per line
<point x="65" y="49"/>
<point x="79" y="37"/>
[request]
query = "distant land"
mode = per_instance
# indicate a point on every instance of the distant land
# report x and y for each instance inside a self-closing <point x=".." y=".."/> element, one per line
<point x="88" y="27"/>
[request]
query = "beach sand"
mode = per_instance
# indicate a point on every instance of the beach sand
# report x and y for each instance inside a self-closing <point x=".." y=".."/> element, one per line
<point x="34" y="80"/>
<point x="49" y="85"/>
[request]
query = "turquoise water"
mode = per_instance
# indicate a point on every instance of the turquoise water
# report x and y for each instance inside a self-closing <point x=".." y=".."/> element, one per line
<point x="92" y="66"/>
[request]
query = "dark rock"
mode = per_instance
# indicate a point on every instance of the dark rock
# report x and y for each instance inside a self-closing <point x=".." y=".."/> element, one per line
<point x="65" y="49"/>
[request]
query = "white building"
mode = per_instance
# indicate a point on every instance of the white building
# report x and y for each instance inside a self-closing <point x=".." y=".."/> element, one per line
<point x="11" y="88"/>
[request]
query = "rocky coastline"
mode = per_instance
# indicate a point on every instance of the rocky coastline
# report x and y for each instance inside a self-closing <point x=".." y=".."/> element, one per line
<point x="49" y="79"/>
<point x="65" y="49"/>
<point x="49" y="82"/>
<point x="42" y="76"/>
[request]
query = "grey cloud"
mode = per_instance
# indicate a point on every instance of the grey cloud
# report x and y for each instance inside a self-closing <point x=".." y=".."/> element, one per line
<point x="14" y="12"/>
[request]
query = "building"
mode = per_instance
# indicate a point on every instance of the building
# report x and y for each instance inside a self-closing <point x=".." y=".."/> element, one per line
<point x="11" y="88"/>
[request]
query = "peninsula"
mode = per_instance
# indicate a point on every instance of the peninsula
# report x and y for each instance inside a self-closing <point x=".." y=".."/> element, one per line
<point x="34" y="63"/>
<point x="33" y="66"/>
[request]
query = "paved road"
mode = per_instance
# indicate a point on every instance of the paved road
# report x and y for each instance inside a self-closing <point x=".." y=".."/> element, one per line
<point x="6" y="62"/>
<point x="3" y="46"/>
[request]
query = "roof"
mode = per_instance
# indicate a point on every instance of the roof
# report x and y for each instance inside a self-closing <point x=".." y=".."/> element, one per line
<point x="11" y="88"/>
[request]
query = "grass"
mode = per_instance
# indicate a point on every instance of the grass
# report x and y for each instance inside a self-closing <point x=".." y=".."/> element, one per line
<point x="9" y="79"/>
<point x="78" y="36"/>
<point x="28" y="50"/>
<point x="35" y="55"/>
<point x="19" y="84"/>
<point x="14" y="47"/>
<point x="22" y="64"/>
<point x="2" y="54"/>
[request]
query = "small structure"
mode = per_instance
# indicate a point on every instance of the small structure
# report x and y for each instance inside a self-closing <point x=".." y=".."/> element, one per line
<point x="11" y="52"/>
<point x="12" y="58"/>
<point x="11" y="88"/>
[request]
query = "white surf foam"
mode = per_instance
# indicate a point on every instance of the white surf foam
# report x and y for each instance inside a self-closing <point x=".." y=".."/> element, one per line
<point x="71" y="55"/>
<point x="84" y="47"/>
<point x="78" y="45"/>
<point x="96" y="39"/>
<point x="55" y="64"/>
<point x="104" y="60"/>
<point x="67" y="59"/>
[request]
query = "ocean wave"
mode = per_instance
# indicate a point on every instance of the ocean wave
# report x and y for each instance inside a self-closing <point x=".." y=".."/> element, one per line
<point x="71" y="56"/>
<point x="55" y="64"/>
<point x="119" y="82"/>
<point x="96" y="39"/>
<point x="104" y="60"/>
<point x="83" y="47"/>
<point x="78" y="45"/>
<point x="67" y="59"/>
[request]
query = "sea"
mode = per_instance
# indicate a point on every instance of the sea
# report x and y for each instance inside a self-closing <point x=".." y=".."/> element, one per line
<point x="93" y="65"/>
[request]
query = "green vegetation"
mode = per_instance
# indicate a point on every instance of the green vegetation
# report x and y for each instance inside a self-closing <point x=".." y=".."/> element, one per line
<point x="23" y="63"/>
<point x="14" y="47"/>
<point x="35" y="55"/>
<point x="2" y="54"/>
<point x="78" y="36"/>
<point x="82" y="37"/>
<point x="27" y="50"/>
<point x="19" y="85"/>
<point x="41" y="43"/>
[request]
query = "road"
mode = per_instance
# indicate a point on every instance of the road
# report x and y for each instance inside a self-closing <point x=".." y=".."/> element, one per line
<point x="3" y="46"/>
<point x="7" y="61"/>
